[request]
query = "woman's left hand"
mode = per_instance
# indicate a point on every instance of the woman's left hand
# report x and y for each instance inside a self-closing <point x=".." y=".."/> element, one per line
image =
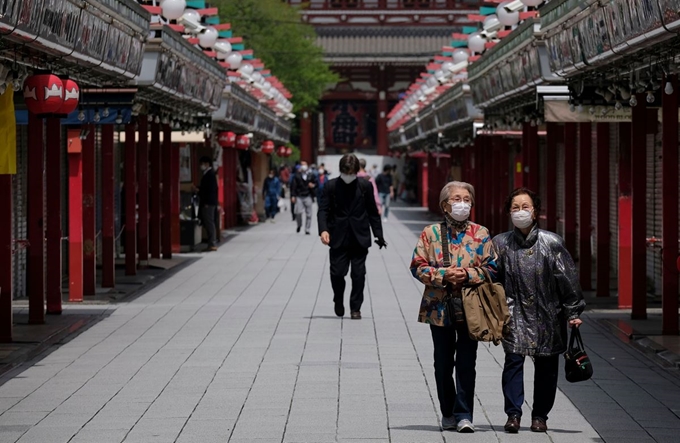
<point x="459" y="276"/>
<point x="575" y="323"/>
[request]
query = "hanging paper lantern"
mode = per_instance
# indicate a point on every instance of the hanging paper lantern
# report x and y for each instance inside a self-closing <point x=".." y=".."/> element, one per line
<point x="281" y="151"/>
<point x="71" y="97"/>
<point x="223" y="48"/>
<point x="234" y="59"/>
<point x="476" y="42"/>
<point x="267" y="147"/>
<point x="208" y="38"/>
<point x="43" y="93"/>
<point x="246" y="69"/>
<point x="289" y="151"/>
<point x="242" y="142"/>
<point x="533" y="3"/>
<point x="191" y="15"/>
<point x="507" y="18"/>
<point x="173" y="9"/>
<point x="460" y="55"/>
<point x="227" y="139"/>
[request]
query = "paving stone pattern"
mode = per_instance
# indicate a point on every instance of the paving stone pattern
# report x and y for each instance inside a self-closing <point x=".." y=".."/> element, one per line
<point x="243" y="346"/>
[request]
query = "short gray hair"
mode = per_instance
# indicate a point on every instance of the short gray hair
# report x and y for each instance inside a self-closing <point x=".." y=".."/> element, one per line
<point x="445" y="194"/>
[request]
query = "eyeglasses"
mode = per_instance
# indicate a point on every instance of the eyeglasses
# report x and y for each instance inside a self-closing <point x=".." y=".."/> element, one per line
<point x="523" y="208"/>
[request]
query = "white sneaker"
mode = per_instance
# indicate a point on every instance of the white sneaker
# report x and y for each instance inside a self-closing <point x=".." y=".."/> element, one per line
<point x="465" y="426"/>
<point x="385" y="219"/>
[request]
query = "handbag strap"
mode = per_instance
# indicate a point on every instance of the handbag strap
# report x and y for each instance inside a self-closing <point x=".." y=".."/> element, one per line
<point x="445" y="244"/>
<point x="575" y="338"/>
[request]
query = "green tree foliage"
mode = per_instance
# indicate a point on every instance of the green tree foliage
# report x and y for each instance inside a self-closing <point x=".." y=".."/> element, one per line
<point x="274" y="30"/>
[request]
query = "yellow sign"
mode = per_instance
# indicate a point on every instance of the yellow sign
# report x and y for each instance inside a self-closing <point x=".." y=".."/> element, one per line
<point x="8" y="133"/>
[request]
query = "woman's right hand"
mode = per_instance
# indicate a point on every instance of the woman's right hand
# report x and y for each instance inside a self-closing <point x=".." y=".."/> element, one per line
<point x="455" y="275"/>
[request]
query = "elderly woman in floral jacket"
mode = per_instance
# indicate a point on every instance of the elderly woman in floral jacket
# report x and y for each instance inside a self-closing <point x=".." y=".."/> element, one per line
<point x="544" y="295"/>
<point x="470" y="250"/>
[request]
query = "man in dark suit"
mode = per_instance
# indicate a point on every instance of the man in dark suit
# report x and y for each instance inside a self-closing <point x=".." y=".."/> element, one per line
<point x="207" y="195"/>
<point x="347" y="214"/>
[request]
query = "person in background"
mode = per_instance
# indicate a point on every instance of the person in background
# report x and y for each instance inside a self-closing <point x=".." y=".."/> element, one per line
<point x="385" y="190"/>
<point x="363" y="174"/>
<point x="302" y="192"/>
<point x="374" y="170"/>
<point x="207" y="196"/>
<point x="471" y="253"/>
<point x="347" y="215"/>
<point x="322" y="178"/>
<point x="296" y="168"/>
<point x="271" y="189"/>
<point x="396" y="182"/>
<point x="544" y="295"/>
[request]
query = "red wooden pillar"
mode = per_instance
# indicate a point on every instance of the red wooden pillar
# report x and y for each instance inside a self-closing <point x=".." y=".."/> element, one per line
<point x="669" y="223"/>
<point x="585" y="228"/>
<point x="130" y="200"/>
<point x="638" y="161"/>
<point x="570" y="177"/>
<point x="35" y="281"/>
<point x="625" y="236"/>
<point x="306" y="137"/>
<point x="6" y="246"/>
<point x="602" y="228"/>
<point x="75" y="215"/>
<point x="551" y="173"/>
<point x="155" y="195"/>
<point x="143" y="191"/>
<point x="108" y="209"/>
<point x="383" y="109"/>
<point x="53" y="231"/>
<point x="89" y="215"/>
<point x="531" y="164"/>
<point x="166" y="225"/>
<point x="175" y="202"/>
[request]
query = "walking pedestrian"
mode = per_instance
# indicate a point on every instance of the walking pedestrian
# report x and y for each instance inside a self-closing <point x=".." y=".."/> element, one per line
<point x="347" y="215"/>
<point x="543" y="293"/>
<point x="385" y="190"/>
<point x="470" y="253"/>
<point x="207" y="197"/>
<point x="271" y="189"/>
<point x="396" y="182"/>
<point x="302" y="193"/>
<point x="363" y="174"/>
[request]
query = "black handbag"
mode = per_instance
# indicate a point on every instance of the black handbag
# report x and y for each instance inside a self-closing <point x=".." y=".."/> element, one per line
<point x="453" y="306"/>
<point x="577" y="365"/>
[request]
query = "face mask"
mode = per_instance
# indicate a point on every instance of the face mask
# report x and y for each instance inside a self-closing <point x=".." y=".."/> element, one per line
<point x="522" y="219"/>
<point x="204" y="168"/>
<point x="271" y="175"/>
<point x="348" y="178"/>
<point x="321" y="171"/>
<point x="460" y="211"/>
<point x="303" y="168"/>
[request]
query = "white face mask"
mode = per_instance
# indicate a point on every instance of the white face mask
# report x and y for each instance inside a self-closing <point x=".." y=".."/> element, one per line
<point x="204" y="168"/>
<point x="522" y="219"/>
<point x="348" y="178"/>
<point x="460" y="211"/>
<point x="303" y="168"/>
<point x="321" y="171"/>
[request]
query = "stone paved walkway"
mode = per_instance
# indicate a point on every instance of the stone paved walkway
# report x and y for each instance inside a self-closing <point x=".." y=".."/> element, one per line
<point x="243" y="346"/>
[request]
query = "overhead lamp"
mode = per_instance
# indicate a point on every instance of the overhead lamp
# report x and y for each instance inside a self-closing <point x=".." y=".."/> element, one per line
<point x="668" y="89"/>
<point x="650" y="97"/>
<point x="514" y="6"/>
<point x="191" y="21"/>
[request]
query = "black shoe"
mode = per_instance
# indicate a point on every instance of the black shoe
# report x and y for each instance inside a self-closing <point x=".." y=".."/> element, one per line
<point x="356" y="315"/>
<point x="339" y="309"/>
<point x="298" y="228"/>
<point x="512" y="425"/>
<point x="308" y="233"/>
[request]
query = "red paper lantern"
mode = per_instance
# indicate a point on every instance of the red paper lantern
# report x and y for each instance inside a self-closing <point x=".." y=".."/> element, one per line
<point x="227" y="139"/>
<point x="268" y="147"/>
<point x="242" y="142"/>
<point x="289" y="151"/>
<point x="43" y="94"/>
<point x="71" y="97"/>
<point x="281" y="151"/>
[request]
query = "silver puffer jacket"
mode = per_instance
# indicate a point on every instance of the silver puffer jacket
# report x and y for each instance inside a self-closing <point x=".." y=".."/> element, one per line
<point x="542" y="289"/>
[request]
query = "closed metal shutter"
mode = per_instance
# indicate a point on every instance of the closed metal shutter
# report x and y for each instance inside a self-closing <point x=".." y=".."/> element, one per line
<point x="654" y="196"/>
<point x="19" y="212"/>
<point x="560" y="188"/>
<point x="614" y="203"/>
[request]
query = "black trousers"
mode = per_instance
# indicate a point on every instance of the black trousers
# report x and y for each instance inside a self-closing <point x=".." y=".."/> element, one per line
<point x="208" y="219"/>
<point x="453" y="348"/>
<point x="545" y="384"/>
<point x="340" y="259"/>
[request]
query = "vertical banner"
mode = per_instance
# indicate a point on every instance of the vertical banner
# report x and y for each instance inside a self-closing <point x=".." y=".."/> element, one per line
<point x="8" y="133"/>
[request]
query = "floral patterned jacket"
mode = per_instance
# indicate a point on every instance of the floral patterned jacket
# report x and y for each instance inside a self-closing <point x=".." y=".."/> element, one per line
<point x="470" y="249"/>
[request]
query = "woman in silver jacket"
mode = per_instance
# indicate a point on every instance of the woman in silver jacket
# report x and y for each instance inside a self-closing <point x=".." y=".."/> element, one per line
<point x="543" y="293"/>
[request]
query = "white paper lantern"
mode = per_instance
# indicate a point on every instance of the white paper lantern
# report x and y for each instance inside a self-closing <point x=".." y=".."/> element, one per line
<point x="532" y="2"/>
<point x="446" y="66"/>
<point x="192" y="15"/>
<point x="476" y="43"/>
<point x="492" y="22"/>
<point x="460" y="55"/>
<point x="431" y="82"/>
<point x="247" y="69"/>
<point x="208" y="38"/>
<point x="173" y="9"/>
<point x="234" y="59"/>
<point x="507" y="18"/>
<point x="266" y="86"/>
<point x="256" y="76"/>
<point x="223" y="48"/>
<point x="439" y="75"/>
